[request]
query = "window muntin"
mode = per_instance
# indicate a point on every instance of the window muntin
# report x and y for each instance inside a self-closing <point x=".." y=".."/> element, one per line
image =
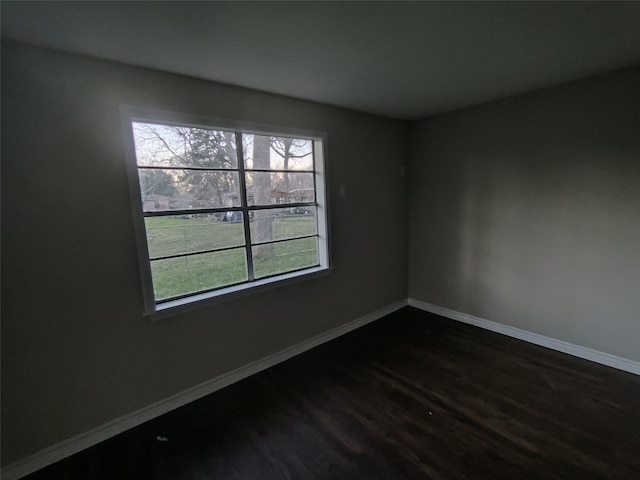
<point x="217" y="219"/>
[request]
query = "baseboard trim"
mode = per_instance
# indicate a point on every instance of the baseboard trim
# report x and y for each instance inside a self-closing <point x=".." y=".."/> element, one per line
<point x="83" y="441"/>
<point x="559" y="345"/>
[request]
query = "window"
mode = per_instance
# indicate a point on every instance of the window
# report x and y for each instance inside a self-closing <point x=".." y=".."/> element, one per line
<point x="221" y="209"/>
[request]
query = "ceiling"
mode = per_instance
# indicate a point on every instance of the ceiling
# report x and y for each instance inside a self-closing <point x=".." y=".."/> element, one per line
<point x="403" y="60"/>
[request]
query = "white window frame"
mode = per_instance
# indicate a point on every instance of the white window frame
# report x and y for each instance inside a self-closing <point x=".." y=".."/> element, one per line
<point x="159" y="309"/>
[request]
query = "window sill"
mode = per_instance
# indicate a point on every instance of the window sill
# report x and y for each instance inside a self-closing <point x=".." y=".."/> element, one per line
<point x="201" y="300"/>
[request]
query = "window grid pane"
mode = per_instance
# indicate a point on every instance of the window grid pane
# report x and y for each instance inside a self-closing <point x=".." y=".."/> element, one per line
<point x="281" y="257"/>
<point x="190" y="274"/>
<point x="179" y="189"/>
<point x="175" y="235"/>
<point x="283" y="223"/>
<point x="263" y="152"/>
<point x="184" y="146"/>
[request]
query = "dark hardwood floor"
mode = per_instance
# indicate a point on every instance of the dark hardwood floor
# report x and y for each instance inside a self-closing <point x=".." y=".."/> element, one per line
<point x="410" y="396"/>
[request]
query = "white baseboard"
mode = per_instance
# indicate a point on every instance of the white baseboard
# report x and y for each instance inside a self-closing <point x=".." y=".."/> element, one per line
<point x="76" y="444"/>
<point x="559" y="345"/>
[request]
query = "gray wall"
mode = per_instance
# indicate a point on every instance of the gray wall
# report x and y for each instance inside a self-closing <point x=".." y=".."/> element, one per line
<point x="526" y="212"/>
<point x="76" y="352"/>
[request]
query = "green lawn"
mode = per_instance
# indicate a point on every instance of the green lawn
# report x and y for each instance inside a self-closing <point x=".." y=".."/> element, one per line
<point x="175" y="236"/>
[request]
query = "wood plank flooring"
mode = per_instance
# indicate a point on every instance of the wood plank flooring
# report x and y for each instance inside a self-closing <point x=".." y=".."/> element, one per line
<point x="410" y="396"/>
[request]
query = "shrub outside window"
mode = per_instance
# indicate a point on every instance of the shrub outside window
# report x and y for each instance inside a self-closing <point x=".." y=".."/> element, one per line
<point x="221" y="209"/>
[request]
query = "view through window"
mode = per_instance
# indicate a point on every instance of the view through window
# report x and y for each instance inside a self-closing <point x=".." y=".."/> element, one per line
<point x="227" y="207"/>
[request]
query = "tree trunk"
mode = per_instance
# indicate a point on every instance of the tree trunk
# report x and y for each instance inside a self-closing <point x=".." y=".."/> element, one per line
<point x="287" y="152"/>
<point x="262" y="195"/>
